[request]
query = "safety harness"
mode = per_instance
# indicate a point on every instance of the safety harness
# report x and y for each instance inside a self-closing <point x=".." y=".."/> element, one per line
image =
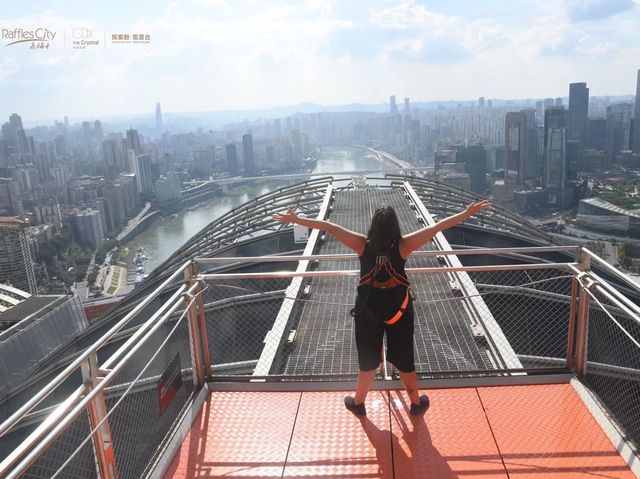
<point x="395" y="279"/>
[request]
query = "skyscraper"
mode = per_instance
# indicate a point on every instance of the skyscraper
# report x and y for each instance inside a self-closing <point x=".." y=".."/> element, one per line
<point x="88" y="226"/>
<point x="133" y="141"/>
<point x="520" y="143"/>
<point x="247" y="153"/>
<point x="111" y="153"/>
<point x="555" y="139"/>
<point x="10" y="203"/>
<point x="144" y="174"/>
<point x="475" y="160"/>
<point x="232" y="159"/>
<point x="618" y="130"/>
<point x="636" y="121"/>
<point x="158" y="118"/>
<point x="578" y="114"/>
<point x="16" y="261"/>
<point x="393" y="108"/>
<point x="407" y="107"/>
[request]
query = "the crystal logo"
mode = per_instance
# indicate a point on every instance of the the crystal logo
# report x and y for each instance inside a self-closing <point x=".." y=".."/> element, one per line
<point x="82" y="38"/>
<point x="38" y="38"/>
<point x="81" y="33"/>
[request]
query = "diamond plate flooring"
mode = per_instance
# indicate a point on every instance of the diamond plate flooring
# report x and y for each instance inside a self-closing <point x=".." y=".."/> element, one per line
<point x="485" y="432"/>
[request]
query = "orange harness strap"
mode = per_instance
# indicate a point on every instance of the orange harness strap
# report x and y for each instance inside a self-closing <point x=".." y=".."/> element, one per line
<point x="400" y="312"/>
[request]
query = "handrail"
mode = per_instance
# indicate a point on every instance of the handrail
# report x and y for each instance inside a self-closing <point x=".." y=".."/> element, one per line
<point x="354" y="272"/>
<point x="35" y="444"/>
<point x="415" y="254"/>
<point x="611" y="270"/>
<point x="50" y="387"/>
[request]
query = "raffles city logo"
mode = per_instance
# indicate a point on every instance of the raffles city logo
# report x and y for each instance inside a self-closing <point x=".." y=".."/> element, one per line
<point x="37" y="38"/>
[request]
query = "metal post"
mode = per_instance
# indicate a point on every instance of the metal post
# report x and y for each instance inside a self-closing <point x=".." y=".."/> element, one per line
<point x="204" y="338"/>
<point x="97" y="410"/>
<point x="582" y="319"/>
<point x="571" y="333"/>
<point x="199" y="375"/>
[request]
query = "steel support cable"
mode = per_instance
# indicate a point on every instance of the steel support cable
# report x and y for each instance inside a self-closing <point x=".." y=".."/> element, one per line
<point x="416" y="301"/>
<point x="124" y="394"/>
<point x="604" y="309"/>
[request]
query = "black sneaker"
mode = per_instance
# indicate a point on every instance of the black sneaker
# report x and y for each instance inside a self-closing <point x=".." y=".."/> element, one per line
<point x="357" y="409"/>
<point x="417" y="409"/>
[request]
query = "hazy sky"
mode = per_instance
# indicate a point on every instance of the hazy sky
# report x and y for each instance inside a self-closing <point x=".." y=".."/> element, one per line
<point x="227" y="54"/>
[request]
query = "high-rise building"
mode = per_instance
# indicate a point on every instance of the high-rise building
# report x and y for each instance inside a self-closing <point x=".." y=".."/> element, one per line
<point x="111" y="157"/>
<point x="88" y="227"/>
<point x="16" y="260"/>
<point x="10" y="202"/>
<point x="393" y="108"/>
<point x="141" y="166"/>
<point x="481" y="102"/>
<point x="133" y="141"/>
<point x="247" y="154"/>
<point x="636" y="121"/>
<point x="618" y="130"/>
<point x="578" y="114"/>
<point x="168" y="187"/>
<point x="232" y="159"/>
<point x="558" y="102"/>
<point x="97" y="130"/>
<point x="158" y="118"/>
<point x="520" y="143"/>
<point x="597" y="134"/>
<point x="475" y="160"/>
<point x="130" y="196"/>
<point x="407" y="107"/>
<point x="555" y="154"/>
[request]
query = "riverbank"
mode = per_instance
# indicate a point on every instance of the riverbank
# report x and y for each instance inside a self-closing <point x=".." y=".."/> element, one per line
<point x="168" y="233"/>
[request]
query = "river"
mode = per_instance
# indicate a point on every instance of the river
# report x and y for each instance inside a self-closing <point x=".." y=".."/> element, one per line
<point x="166" y="235"/>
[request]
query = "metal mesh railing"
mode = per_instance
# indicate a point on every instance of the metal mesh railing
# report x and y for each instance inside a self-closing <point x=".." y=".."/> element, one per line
<point x="137" y="397"/>
<point x="470" y="322"/>
<point x="613" y="360"/>
<point x="531" y="307"/>
<point x="149" y="395"/>
<point x="56" y="459"/>
<point x="465" y="323"/>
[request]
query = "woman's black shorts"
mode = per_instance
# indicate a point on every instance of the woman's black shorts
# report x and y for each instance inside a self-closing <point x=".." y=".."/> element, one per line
<point x="369" y="334"/>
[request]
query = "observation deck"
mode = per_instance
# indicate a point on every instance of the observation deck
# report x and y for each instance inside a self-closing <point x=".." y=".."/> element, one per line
<point x="236" y="366"/>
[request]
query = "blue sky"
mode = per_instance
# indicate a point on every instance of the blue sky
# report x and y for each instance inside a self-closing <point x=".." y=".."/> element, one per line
<point x="226" y="54"/>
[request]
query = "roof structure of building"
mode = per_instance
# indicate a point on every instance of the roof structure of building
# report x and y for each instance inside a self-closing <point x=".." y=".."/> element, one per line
<point x="226" y="361"/>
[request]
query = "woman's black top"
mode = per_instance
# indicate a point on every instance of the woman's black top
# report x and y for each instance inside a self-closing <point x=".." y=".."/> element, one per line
<point x="383" y="283"/>
<point x="389" y="264"/>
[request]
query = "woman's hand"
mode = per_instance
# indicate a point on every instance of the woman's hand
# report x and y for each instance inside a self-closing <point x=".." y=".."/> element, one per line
<point x="288" y="217"/>
<point x="474" y="208"/>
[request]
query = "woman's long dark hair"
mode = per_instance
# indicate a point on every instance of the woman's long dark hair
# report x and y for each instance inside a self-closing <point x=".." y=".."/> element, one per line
<point x="384" y="230"/>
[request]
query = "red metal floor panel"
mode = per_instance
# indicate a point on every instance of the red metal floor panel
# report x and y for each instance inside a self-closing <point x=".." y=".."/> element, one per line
<point x="452" y="439"/>
<point x="329" y="442"/>
<point x="546" y="432"/>
<point x="238" y="434"/>
<point x="541" y="432"/>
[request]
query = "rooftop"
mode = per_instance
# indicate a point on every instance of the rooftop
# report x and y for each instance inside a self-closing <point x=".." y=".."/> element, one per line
<point x="236" y="365"/>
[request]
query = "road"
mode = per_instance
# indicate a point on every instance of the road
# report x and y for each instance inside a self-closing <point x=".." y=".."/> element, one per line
<point x="133" y="222"/>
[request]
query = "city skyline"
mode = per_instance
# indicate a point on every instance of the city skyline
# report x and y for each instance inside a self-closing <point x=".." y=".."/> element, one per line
<point x="212" y="55"/>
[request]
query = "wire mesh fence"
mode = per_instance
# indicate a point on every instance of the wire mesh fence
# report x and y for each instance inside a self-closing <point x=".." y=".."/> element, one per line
<point x="613" y="361"/>
<point x="472" y="323"/>
<point x="68" y="456"/>
<point x="147" y="397"/>
<point x="143" y="402"/>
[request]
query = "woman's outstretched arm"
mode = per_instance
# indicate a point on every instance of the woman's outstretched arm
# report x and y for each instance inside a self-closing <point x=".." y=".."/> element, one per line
<point x="350" y="239"/>
<point x="413" y="241"/>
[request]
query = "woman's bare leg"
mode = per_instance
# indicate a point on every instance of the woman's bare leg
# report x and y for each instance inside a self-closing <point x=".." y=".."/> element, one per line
<point x="365" y="381"/>
<point x="410" y="381"/>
